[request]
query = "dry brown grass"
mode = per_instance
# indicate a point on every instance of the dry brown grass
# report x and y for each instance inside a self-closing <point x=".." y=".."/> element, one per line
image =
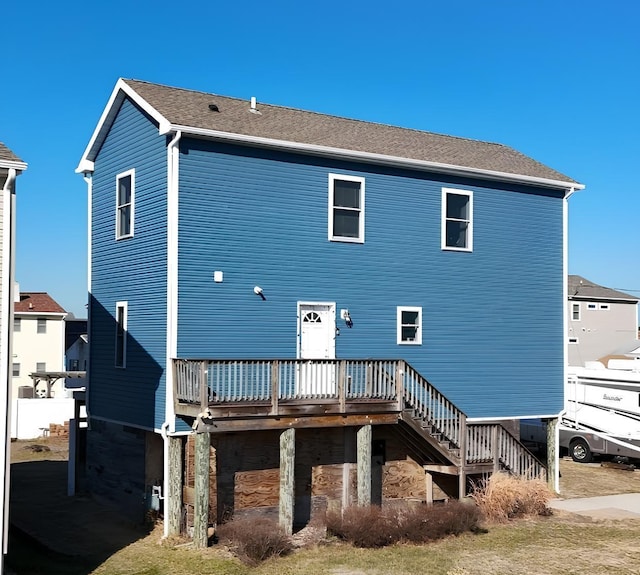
<point x="503" y="497"/>
<point x="255" y="539"/>
<point x="592" y="480"/>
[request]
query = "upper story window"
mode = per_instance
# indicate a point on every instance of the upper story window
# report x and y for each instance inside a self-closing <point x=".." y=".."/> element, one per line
<point x="591" y="306"/>
<point x="125" y="195"/>
<point x="42" y="325"/>
<point x="346" y="208"/>
<point x="457" y="220"/>
<point x="41" y="366"/>
<point x="604" y="306"/>
<point x="409" y="322"/>
<point x="15" y="370"/>
<point x="575" y="312"/>
<point x="121" y="334"/>
<point x="17" y="324"/>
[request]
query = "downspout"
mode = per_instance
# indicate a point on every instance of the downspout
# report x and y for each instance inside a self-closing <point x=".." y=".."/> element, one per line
<point x="88" y="178"/>
<point x="565" y="329"/>
<point x="168" y="426"/>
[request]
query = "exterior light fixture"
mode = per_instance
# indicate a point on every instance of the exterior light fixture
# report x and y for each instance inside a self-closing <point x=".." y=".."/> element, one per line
<point x="258" y="291"/>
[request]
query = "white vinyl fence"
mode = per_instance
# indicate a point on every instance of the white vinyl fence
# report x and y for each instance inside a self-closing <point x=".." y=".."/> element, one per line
<point x="31" y="417"/>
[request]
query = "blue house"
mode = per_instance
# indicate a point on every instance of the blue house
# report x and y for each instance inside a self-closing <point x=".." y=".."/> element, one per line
<point x="267" y="281"/>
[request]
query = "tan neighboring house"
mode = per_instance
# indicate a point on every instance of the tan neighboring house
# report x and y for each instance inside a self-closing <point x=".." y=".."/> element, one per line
<point x="10" y="167"/>
<point x="38" y="344"/>
<point x="602" y="321"/>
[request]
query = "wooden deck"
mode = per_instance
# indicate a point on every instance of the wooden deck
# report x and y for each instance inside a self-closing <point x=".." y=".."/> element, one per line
<point x="260" y="394"/>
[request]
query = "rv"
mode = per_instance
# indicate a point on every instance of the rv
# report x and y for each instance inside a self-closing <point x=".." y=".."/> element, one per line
<point x="602" y="411"/>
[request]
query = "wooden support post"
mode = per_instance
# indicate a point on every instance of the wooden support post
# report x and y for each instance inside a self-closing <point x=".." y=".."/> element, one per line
<point x="364" y="465"/>
<point x="400" y="369"/>
<point x="553" y="474"/>
<point x="342" y="386"/>
<point x="204" y="388"/>
<point x="495" y="449"/>
<point x="462" y="442"/>
<point x="173" y="498"/>
<point x="429" y="482"/>
<point x="275" y="386"/>
<point x="287" y="479"/>
<point x="201" y="503"/>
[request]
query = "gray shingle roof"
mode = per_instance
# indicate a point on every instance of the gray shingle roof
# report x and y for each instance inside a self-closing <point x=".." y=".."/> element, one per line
<point x="190" y="109"/>
<point x="581" y="288"/>
<point x="7" y="155"/>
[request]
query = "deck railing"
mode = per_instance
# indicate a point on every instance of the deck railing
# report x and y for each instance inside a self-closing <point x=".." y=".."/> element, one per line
<point x="492" y="443"/>
<point x="210" y="382"/>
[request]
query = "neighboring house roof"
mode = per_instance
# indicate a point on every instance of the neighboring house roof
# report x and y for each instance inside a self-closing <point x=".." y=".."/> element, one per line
<point x="232" y="119"/>
<point x="9" y="160"/>
<point x="581" y="288"/>
<point x="37" y="302"/>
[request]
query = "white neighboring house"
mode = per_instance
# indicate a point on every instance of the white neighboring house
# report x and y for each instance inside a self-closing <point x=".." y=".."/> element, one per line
<point x="10" y="167"/>
<point x="602" y="321"/>
<point x="38" y="344"/>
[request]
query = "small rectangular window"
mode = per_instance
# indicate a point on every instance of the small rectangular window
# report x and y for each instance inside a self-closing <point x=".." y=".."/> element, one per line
<point x="346" y="208"/>
<point x="457" y="220"/>
<point x="42" y="325"/>
<point x="17" y="324"/>
<point x="41" y="366"/>
<point x="121" y="334"/>
<point x="125" y="194"/>
<point x="575" y="312"/>
<point x="409" y="322"/>
<point x="604" y="306"/>
<point x="15" y="370"/>
<point x="573" y="340"/>
<point x="591" y="306"/>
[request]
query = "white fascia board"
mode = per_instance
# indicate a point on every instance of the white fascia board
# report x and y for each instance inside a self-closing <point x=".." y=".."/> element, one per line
<point x="120" y="91"/>
<point x="40" y="314"/>
<point x="12" y="164"/>
<point x="383" y="159"/>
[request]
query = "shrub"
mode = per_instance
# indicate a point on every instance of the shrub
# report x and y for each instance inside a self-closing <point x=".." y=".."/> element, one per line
<point x="377" y="527"/>
<point x="431" y="522"/>
<point x="256" y="539"/>
<point x="364" y="526"/>
<point x="503" y="497"/>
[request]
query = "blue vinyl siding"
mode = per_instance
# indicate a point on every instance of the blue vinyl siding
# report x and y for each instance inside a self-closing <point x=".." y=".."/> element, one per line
<point x="132" y="270"/>
<point x="492" y="319"/>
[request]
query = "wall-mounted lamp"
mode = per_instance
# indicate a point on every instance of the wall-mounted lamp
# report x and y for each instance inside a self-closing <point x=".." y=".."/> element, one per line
<point x="344" y="314"/>
<point x="258" y="291"/>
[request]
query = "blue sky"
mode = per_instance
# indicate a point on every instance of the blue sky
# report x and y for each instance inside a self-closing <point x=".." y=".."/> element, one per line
<point x="557" y="80"/>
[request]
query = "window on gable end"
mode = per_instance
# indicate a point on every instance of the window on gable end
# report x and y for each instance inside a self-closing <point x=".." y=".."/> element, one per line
<point x="346" y="208"/>
<point x="121" y="334"/>
<point x="409" y="325"/>
<point x="125" y="196"/>
<point x="575" y="312"/>
<point x="457" y="220"/>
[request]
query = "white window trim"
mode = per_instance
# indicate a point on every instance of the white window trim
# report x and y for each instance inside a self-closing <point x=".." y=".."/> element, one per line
<point x="443" y="223"/>
<point x="125" y="307"/>
<point x="360" y="238"/>
<point x="131" y="173"/>
<point x="41" y="321"/>
<point x="573" y="341"/>
<point x="399" y="310"/>
<point x="592" y="306"/>
<point x="604" y="307"/>
<point x="573" y="304"/>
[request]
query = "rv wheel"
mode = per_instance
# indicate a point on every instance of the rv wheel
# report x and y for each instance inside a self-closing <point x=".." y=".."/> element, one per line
<point x="580" y="451"/>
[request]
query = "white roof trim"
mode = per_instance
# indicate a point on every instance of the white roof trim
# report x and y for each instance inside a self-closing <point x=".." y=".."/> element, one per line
<point x="118" y="94"/>
<point x="16" y="165"/>
<point x="375" y="158"/>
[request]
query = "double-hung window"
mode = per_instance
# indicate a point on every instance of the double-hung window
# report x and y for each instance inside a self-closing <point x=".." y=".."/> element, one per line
<point x="125" y="195"/>
<point x="457" y="220"/>
<point x="346" y="208"/>
<point x="41" y="325"/>
<point x="121" y="334"/>
<point x="409" y="325"/>
<point x="575" y="312"/>
<point x="17" y="324"/>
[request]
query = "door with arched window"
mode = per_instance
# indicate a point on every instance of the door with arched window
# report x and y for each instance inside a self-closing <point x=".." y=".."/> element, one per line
<point x="316" y="341"/>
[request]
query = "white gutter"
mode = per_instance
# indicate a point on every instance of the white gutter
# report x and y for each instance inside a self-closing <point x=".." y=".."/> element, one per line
<point x="382" y="159"/>
<point x="173" y="164"/>
<point x="6" y="325"/>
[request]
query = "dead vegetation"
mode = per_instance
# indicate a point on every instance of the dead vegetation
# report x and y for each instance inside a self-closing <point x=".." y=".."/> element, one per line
<point x="503" y="497"/>
<point x="255" y="539"/>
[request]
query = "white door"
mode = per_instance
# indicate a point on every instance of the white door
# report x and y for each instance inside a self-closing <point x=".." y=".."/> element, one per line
<point x="317" y="341"/>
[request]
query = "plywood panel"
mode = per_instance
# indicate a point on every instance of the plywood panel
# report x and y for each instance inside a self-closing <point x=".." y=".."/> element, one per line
<point x="403" y="480"/>
<point x="257" y="488"/>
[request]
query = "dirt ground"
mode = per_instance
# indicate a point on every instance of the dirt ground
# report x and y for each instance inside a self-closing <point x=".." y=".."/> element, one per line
<point x="90" y="532"/>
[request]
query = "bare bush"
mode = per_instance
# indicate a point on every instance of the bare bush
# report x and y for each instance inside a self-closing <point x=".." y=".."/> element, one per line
<point x="503" y="497"/>
<point x="376" y="527"/>
<point x="255" y="539"/>
<point x="431" y="522"/>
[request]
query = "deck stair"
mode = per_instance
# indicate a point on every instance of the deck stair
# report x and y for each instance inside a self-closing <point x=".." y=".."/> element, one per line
<point x="236" y="395"/>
